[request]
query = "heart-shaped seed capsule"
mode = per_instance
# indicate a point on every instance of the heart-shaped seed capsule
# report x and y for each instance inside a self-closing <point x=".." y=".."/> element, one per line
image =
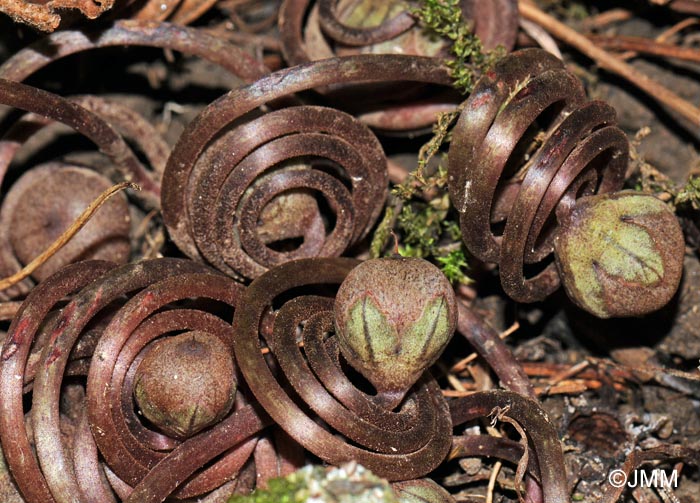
<point x="620" y="254"/>
<point x="393" y="317"/>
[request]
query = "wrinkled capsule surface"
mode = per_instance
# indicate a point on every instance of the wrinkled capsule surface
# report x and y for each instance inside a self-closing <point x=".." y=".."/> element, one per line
<point x="393" y="317"/>
<point x="186" y="383"/>
<point x="620" y="254"/>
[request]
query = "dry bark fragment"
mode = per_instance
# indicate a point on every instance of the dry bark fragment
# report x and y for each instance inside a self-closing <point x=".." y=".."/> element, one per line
<point x="44" y="16"/>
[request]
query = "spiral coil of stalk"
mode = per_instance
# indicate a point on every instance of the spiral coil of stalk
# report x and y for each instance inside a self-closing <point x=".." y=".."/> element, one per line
<point x="228" y="168"/>
<point x="143" y="463"/>
<point x="398" y="445"/>
<point x="580" y="152"/>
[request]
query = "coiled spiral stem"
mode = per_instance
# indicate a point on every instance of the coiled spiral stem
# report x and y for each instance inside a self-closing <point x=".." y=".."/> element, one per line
<point x="145" y="465"/>
<point x="582" y="152"/>
<point x="348" y="35"/>
<point x="543" y="445"/>
<point x="132" y="33"/>
<point x="398" y="445"/>
<point x="315" y="30"/>
<point x="216" y="192"/>
<point x="302" y="21"/>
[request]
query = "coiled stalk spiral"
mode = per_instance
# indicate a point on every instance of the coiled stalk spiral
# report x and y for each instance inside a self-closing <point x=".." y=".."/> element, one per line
<point x="581" y="152"/>
<point x="397" y="445"/>
<point x="315" y="30"/>
<point x="232" y="171"/>
<point x="110" y="334"/>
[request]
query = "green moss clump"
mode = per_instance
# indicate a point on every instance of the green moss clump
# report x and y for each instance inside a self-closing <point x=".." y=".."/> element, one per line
<point x="689" y="195"/>
<point x="281" y="490"/>
<point x="350" y="483"/>
<point x="454" y="266"/>
<point x="444" y="18"/>
<point x="429" y="231"/>
<point x="421" y="213"/>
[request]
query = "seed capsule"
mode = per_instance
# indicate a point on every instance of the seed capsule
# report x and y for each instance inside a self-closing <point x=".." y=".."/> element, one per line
<point x="47" y="199"/>
<point x="620" y="254"/>
<point x="421" y="491"/>
<point x="185" y="383"/>
<point x="393" y="317"/>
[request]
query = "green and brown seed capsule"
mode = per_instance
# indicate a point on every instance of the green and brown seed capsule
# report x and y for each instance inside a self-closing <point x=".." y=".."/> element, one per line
<point x="186" y="383"/>
<point x="620" y="254"/>
<point x="421" y="491"/>
<point x="393" y="317"/>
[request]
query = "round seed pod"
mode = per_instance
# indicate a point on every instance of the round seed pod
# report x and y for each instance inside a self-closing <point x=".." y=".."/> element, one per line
<point x="620" y="254"/>
<point x="421" y="491"/>
<point x="393" y="318"/>
<point x="46" y="200"/>
<point x="185" y="383"/>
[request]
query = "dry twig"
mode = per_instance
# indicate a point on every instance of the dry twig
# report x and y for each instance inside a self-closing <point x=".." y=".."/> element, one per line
<point x="611" y="63"/>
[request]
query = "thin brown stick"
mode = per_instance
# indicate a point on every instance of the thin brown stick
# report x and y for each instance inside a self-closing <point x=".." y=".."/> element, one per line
<point x="658" y="371"/>
<point x="605" y="18"/>
<point x="666" y="35"/>
<point x="67" y="235"/>
<point x="646" y="46"/>
<point x="611" y="63"/>
<point x="571" y="387"/>
<point x="454" y="393"/>
<point x="492" y="481"/>
<point x="9" y="309"/>
<point x="568" y="373"/>
<point x="550" y="370"/>
<point x="686" y="6"/>
<point x="462" y="364"/>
